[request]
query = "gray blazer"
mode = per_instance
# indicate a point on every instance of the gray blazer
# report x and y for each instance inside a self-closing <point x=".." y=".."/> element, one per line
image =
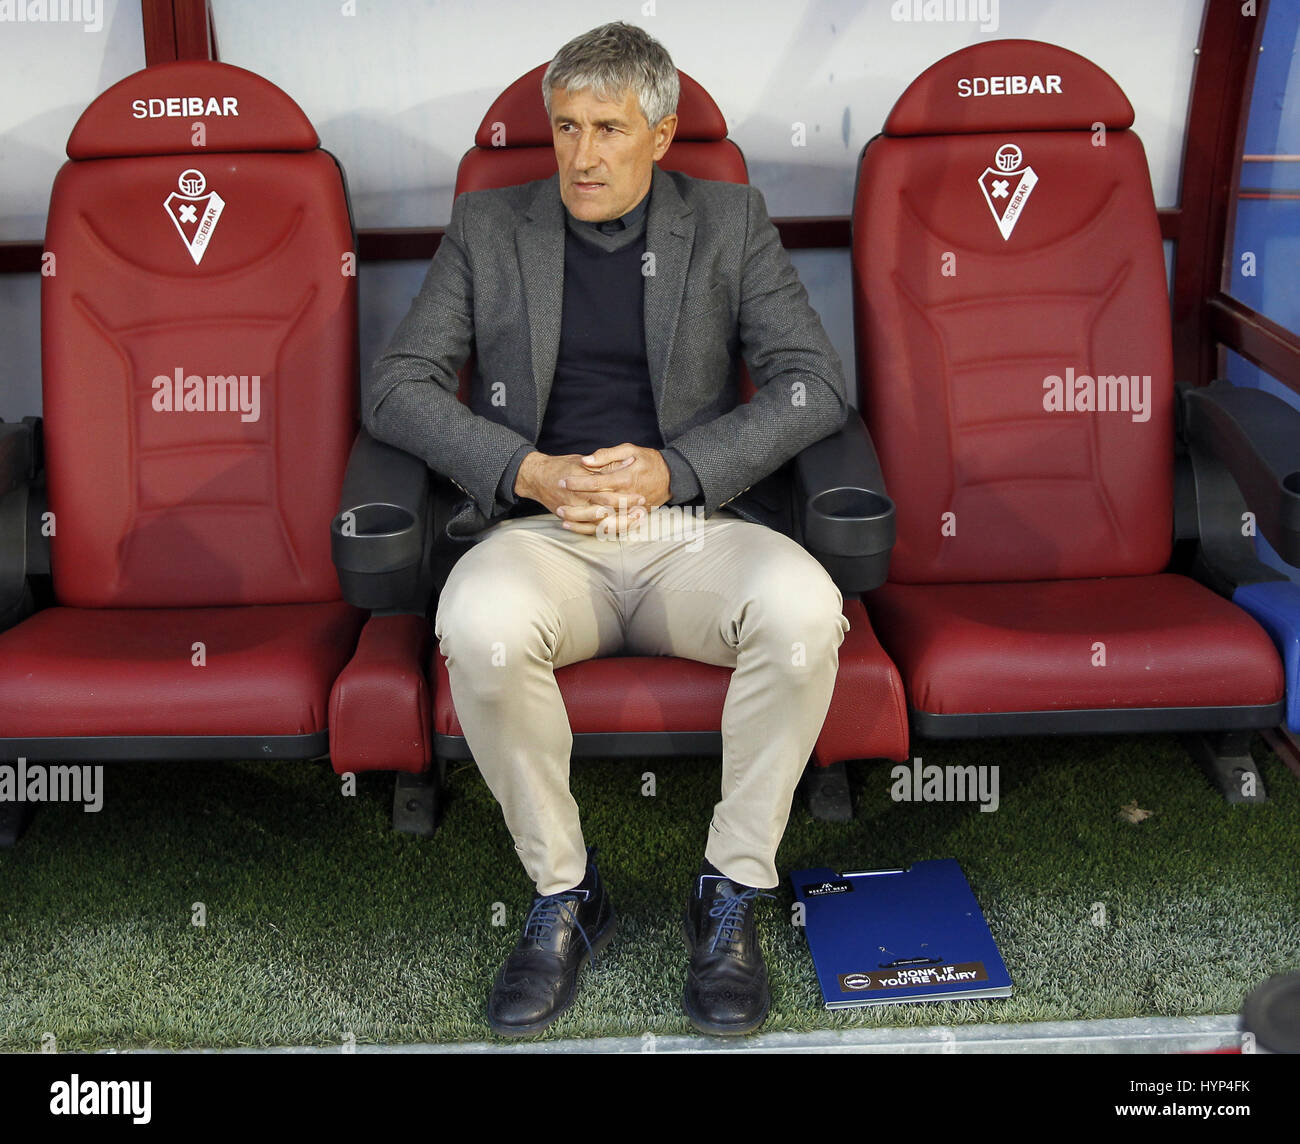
<point x="720" y="286"/>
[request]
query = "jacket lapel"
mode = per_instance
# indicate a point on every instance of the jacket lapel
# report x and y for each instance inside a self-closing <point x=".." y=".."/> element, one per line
<point x="539" y="244"/>
<point x="670" y="237"/>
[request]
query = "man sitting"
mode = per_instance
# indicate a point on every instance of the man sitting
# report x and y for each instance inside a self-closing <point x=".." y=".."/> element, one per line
<point x="609" y="307"/>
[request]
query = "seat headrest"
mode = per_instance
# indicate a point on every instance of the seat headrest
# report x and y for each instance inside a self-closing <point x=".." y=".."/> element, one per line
<point x="154" y="112"/>
<point x="1009" y="85"/>
<point x="521" y="110"/>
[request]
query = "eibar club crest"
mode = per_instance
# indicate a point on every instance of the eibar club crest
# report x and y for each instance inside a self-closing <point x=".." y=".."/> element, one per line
<point x="194" y="213"/>
<point x="1008" y="188"/>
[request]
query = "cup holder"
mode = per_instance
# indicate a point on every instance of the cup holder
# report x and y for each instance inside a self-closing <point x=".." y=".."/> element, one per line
<point x="850" y="521"/>
<point x="377" y="520"/>
<point x="851" y="504"/>
<point x="1291" y="482"/>
<point x="375" y="538"/>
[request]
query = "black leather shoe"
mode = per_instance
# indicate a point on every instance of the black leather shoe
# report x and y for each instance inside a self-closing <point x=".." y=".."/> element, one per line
<point x="540" y="978"/>
<point x="726" y="984"/>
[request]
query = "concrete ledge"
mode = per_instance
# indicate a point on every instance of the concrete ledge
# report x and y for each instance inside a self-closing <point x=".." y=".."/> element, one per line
<point x="1123" y="1035"/>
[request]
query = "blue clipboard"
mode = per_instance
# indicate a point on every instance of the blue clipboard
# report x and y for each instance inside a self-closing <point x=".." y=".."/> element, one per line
<point x="883" y="937"/>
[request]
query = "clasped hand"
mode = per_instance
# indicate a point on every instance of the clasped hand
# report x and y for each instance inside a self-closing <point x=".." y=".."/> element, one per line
<point x="605" y="493"/>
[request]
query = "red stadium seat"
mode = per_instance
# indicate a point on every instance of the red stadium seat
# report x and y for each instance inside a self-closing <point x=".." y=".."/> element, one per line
<point x="1015" y="362"/>
<point x="662" y="705"/>
<point x="199" y="336"/>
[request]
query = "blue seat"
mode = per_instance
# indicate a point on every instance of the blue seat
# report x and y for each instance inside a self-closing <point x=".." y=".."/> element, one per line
<point x="1275" y="605"/>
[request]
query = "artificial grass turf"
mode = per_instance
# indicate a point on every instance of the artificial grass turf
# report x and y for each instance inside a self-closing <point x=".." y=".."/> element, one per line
<point x="323" y="924"/>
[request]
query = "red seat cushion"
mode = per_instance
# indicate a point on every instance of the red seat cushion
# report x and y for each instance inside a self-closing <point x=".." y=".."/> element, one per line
<point x="627" y="694"/>
<point x="981" y="648"/>
<point x="200" y="399"/>
<point x="621" y="694"/>
<point x="1009" y="85"/>
<point x="100" y="671"/>
<point x="991" y="483"/>
<point x="972" y="319"/>
<point x="514" y="144"/>
<point x="141" y="114"/>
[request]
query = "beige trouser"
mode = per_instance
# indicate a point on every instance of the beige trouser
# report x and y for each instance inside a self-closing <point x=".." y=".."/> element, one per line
<point x="531" y="596"/>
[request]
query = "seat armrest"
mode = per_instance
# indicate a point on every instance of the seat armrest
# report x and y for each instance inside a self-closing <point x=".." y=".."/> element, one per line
<point x="23" y="549"/>
<point x="379" y="537"/>
<point x="1256" y="436"/>
<point x="19" y="452"/>
<point x="845" y="517"/>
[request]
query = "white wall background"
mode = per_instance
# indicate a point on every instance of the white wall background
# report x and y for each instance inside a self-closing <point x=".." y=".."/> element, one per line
<point x="49" y="72"/>
<point x="397" y="87"/>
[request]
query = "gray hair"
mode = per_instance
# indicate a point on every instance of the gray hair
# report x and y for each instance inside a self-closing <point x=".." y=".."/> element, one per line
<point x="611" y="60"/>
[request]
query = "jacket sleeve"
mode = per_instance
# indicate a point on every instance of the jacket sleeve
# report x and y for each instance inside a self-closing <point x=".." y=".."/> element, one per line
<point x="801" y="393"/>
<point x="684" y="485"/>
<point x="409" y="399"/>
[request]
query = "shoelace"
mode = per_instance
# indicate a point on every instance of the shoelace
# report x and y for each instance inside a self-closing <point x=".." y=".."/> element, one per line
<point x="545" y="915"/>
<point x="730" y="913"/>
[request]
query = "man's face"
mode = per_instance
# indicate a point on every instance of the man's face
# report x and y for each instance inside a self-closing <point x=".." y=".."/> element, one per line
<point x="605" y="151"/>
